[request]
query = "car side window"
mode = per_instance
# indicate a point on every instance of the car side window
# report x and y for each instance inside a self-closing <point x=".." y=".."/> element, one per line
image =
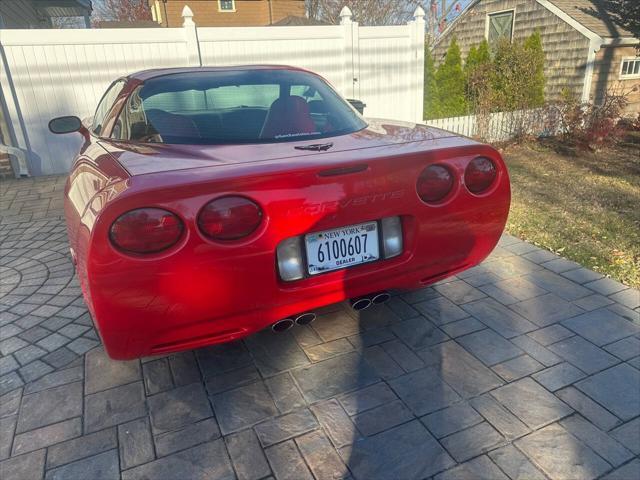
<point x="105" y="105"/>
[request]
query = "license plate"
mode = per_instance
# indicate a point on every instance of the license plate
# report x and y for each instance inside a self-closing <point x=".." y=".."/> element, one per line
<point x="342" y="247"/>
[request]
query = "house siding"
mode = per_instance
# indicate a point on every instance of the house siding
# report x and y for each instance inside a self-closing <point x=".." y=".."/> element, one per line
<point x="247" y="13"/>
<point x="565" y="48"/>
<point x="21" y="14"/>
<point x="606" y="76"/>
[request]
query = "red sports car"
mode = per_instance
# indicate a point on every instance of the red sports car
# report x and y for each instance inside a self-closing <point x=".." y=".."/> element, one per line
<point x="209" y="203"/>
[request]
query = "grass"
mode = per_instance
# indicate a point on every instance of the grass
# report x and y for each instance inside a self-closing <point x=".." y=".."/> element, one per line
<point x="585" y="206"/>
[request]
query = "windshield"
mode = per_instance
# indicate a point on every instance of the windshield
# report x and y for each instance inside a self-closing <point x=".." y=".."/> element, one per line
<point x="226" y="107"/>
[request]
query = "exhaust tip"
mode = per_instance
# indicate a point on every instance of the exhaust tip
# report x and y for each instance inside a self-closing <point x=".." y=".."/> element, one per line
<point x="305" y="318"/>
<point x="381" y="297"/>
<point x="282" y="325"/>
<point x="360" y="303"/>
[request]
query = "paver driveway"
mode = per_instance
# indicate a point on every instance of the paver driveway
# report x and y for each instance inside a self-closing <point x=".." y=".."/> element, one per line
<point x="524" y="367"/>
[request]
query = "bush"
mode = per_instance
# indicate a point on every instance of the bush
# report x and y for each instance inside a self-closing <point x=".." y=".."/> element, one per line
<point x="591" y="126"/>
<point x="475" y="68"/>
<point x="513" y="76"/>
<point x="509" y="78"/>
<point x="535" y="54"/>
<point x="431" y="109"/>
<point x="450" y="84"/>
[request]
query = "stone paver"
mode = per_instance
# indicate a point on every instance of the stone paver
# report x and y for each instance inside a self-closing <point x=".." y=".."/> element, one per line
<point x="424" y="391"/>
<point x="558" y="376"/>
<point x="407" y="451"/>
<point x="451" y="420"/>
<point x="515" y="464"/>
<point x="243" y="407"/>
<point x="601" y="326"/>
<point x="604" y="445"/>
<point x="480" y="468"/>
<point x="103" y="465"/>
<point x="561" y="455"/>
<point x="134" y="439"/>
<point x="546" y="309"/>
<point x="247" y="455"/>
<point x="524" y="367"/>
<point x="531" y="403"/>
<point x="209" y="460"/>
<point x="489" y="347"/>
<point x="616" y="389"/>
<point x="114" y="406"/>
<point x="50" y="406"/>
<point x="472" y="442"/>
<point x="176" y="408"/>
<point x="497" y="415"/>
<point x="583" y="354"/>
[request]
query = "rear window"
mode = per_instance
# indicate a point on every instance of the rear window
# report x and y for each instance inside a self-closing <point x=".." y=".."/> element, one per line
<point x="228" y="107"/>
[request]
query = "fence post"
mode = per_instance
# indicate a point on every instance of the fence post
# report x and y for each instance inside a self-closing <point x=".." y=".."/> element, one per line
<point x="191" y="36"/>
<point x="350" y="50"/>
<point x="417" y="53"/>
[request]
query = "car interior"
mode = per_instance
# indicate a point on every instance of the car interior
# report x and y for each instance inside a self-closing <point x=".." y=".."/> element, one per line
<point x="288" y="116"/>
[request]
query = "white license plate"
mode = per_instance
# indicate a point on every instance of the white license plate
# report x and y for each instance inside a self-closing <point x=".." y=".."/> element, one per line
<point x="342" y="247"/>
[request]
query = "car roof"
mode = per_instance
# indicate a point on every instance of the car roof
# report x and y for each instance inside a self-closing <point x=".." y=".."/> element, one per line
<point x="144" y="75"/>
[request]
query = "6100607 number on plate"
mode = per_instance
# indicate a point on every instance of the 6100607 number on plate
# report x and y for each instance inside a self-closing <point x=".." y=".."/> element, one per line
<point x="342" y="247"/>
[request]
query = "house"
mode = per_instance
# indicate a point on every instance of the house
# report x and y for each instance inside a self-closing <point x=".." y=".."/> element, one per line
<point x="29" y="14"/>
<point x="226" y="13"/>
<point x="587" y="52"/>
<point x="41" y="13"/>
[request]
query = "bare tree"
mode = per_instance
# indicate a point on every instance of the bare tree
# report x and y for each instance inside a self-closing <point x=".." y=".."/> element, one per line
<point x="388" y="12"/>
<point x="121" y="10"/>
<point x="366" y="12"/>
<point x="68" y="22"/>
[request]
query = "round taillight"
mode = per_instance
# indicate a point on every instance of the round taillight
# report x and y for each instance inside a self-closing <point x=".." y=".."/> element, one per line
<point x="146" y="230"/>
<point x="229" y="218"/>
<point x="479" y="174"/>
<point x="434" y="183"/>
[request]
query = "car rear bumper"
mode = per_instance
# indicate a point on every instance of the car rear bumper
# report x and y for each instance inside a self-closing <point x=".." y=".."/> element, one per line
<point x="190" y="305"/>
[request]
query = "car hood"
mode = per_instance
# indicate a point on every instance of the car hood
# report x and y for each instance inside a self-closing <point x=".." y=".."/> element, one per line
<point x="139" y="159"/>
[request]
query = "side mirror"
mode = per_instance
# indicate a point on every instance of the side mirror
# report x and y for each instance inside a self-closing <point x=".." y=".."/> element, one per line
<point x="68" y="124"/>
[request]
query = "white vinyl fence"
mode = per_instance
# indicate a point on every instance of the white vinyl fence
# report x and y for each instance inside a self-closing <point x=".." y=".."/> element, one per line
<point x="501" y="126"/>
<point x="49" y="73"/>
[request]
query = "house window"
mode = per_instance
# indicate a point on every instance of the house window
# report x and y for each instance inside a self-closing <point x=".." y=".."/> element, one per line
<point x="226" y="5"/>
<point x="630" y="68"/>
<point x="500" y="25"/>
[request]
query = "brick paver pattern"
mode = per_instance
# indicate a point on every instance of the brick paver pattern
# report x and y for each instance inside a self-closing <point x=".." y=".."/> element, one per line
<point x="527" y="366"/>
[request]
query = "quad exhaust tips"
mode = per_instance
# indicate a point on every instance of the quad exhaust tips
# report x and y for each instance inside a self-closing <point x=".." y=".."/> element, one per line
<point x="286" y="323"/>
<point x="360" y="303"/>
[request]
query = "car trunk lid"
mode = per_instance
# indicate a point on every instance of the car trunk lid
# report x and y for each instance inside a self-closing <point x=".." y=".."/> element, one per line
<point x="141" y="159"/>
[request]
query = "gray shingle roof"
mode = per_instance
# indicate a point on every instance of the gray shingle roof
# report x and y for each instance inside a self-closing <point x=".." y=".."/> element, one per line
<point x="596" y="15"/>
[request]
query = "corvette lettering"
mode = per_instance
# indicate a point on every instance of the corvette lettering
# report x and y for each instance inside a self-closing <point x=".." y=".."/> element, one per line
<point x="331" y="207"/>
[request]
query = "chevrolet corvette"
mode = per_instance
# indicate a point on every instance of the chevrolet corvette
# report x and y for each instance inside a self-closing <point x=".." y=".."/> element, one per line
<point x="206" y="204"/>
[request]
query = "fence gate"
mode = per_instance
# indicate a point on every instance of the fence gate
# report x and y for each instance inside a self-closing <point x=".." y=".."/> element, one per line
<point x="49" y="73"/>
